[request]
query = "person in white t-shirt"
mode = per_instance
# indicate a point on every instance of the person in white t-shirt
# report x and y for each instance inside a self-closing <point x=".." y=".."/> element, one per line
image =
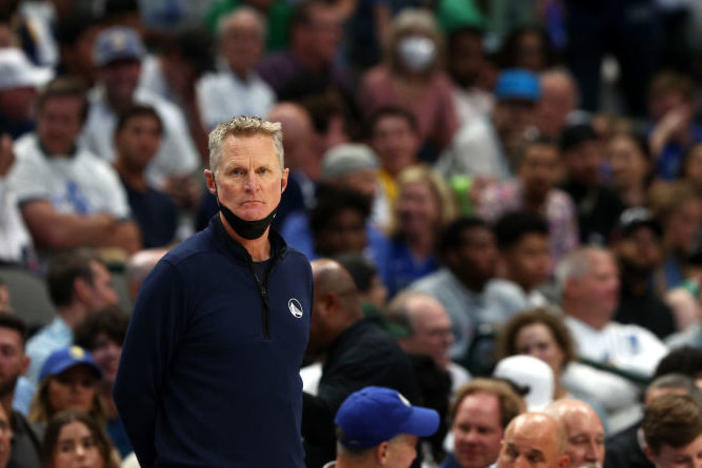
<point x="589" y="283"/>
<point x="241" y="37"/>
<point x="68" y="197"/>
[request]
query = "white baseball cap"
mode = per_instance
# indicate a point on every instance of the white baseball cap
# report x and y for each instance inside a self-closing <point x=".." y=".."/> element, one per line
<point x="16" y="71"/>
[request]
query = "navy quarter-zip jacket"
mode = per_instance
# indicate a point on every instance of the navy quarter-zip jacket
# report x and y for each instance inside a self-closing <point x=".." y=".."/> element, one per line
<point x="209" y="374"/>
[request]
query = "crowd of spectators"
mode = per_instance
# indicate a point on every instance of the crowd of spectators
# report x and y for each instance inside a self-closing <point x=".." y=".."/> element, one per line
<point x="472" y="180"/>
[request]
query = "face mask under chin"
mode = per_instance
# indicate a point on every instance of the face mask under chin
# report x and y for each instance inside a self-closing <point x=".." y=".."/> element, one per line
<point x="247" y="229"/>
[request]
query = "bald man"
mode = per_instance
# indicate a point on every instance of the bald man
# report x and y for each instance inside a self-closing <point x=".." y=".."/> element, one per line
<point x="533" y="440"/>
<point x="302" y="157"/>
<point x="357" y="353"/>
<point x="584" y="432"/>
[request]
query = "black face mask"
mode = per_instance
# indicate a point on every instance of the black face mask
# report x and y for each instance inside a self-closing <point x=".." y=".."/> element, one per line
<point x="247" y="229"/>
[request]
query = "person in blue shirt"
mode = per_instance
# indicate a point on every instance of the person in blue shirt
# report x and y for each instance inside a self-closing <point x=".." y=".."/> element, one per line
<point x="209" y="374"/>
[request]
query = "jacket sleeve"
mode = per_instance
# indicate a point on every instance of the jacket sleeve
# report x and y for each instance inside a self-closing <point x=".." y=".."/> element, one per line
<point x="155" y="329"/>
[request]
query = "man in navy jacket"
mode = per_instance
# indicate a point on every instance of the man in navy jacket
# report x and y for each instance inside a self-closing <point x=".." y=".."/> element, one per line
<point x="210" y="367"/>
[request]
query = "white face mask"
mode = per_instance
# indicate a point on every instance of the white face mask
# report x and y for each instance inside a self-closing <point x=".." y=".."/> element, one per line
<point x="417" y="52"/>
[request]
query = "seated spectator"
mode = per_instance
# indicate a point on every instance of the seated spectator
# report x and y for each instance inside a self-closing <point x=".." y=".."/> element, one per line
<point x="73" y="439"/>
<point x="411" y="76"/>
<point x="639" y="250"/>
<point x="26" y="437"/>
<point x="173" y="72"/>
<point x="672" y="101"/>
<point x="309" y="65"/>
<point x="524" y="263"/>
<point x="394" y="136"/>
<point x="468" y="255"/>
<point x="559" y="101"/>
<point x="589" y="282"/>
<point x="527" y="47"/>
<point x="479" y="413"/>
<point x="276" y="12"/>
<point x="358" y="353"/>
<point x="118" y="53"/>
<point x="588" y="279"/>
<point x="378" y="428"/>
<point x="302" y="156"/>
<point x="672" y="428"/>
<point x="137" y="138"/>
<point x="355" y="166"/>
<point x="466" y="65"/>
<point x="76" y="34"/>
<point x="340" y="220"/>
<point x="79" y="285"/>
<point x="626" y="448"/>
<point x="68" y="197"/>
<point x="422" y="328"/>
<point x="102" y="335"/>
<point x="534" y="190"/>
<point x="498" y="139"/>
<point x="68" y="380"/>
<point x="240" y="37"/>
<point x="423" y="209"/>
<point x="630" y="160"/>
<point x="371" y="290"/>
<point x="679" y="210"/>
<point x="19" y="81"/>
<point x="138" y="267"/>
<point x="598" y="207"/>
<point x="540" y="333"/>
<point x="585" y="436"/>
<point x="533" y="436"/>
<point x="338" y="223"/>
<point x="15" y="241"/>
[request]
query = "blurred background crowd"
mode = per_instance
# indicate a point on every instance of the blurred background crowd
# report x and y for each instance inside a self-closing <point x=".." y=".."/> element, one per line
<point x="499" y="178"/>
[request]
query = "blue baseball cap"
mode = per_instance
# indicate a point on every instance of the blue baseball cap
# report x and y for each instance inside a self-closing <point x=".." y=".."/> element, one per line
<point x="117" y="43"/>
<point x="375" y="414"/>
<point x="517" y="83"/>
<point x="64" y="359"/>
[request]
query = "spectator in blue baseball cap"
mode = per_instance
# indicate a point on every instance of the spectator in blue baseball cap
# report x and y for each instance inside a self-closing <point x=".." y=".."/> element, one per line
<point x="490" y="148"/>
<point x="67" y="380"/>
<point x="377" y="427"/>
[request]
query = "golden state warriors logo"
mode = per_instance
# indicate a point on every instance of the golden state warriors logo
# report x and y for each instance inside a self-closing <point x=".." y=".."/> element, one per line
<point x="77" y="352"/>
<point x="295" y="308"/>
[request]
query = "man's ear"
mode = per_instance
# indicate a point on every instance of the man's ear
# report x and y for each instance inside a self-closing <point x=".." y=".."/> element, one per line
<point x="210" y="181"/>
<point x="284" y="180"/>
<point x="81" y="290"/>
<point x="382" y="453"/>
<point x="25" y="364"/>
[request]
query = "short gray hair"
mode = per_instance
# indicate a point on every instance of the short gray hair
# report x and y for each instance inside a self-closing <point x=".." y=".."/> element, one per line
<point x="244" y="126"/>
<point x="576" y="264"/>
<point x="229" y="21"/>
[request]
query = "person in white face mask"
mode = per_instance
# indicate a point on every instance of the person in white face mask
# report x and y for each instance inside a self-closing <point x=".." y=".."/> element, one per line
<point x="411" y="76"/>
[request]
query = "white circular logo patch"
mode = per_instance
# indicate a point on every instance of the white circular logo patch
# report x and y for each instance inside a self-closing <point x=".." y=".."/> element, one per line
<point x="295" y="308"/>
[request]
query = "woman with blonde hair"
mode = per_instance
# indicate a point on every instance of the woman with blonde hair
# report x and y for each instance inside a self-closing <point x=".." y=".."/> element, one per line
<point x="68" y="380"/>
<point x="411" y="76"/>
<point x="424" y="206"/>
